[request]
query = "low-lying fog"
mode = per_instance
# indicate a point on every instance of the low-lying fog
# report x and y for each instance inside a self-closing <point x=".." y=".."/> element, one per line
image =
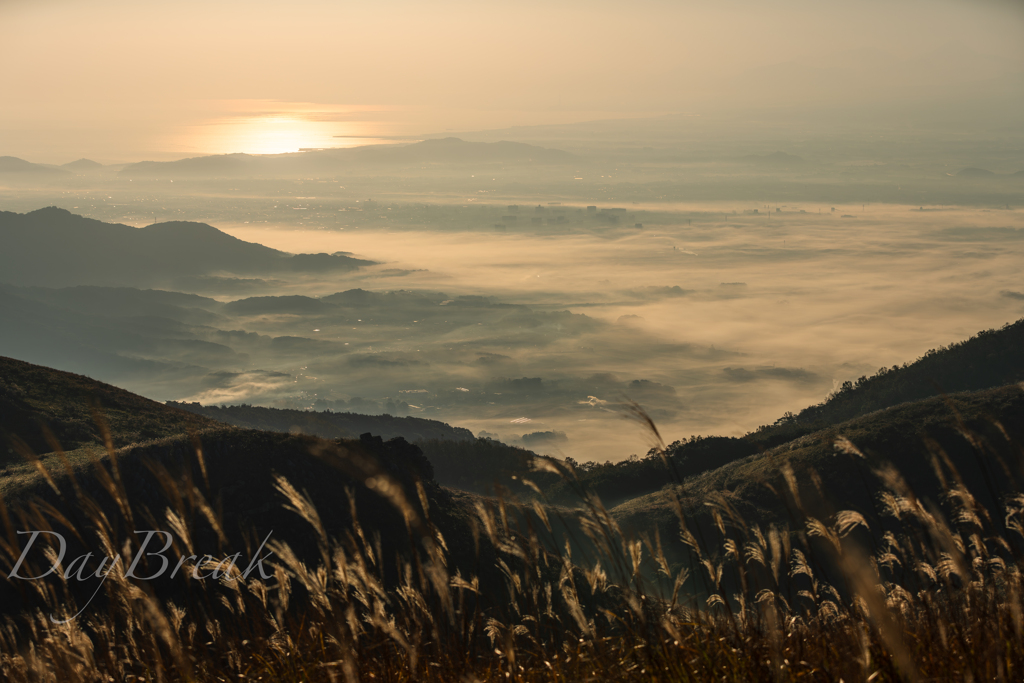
<point x="529" y="301"/>
<point x="715" y="323"/>
<point x="535" y="324"/>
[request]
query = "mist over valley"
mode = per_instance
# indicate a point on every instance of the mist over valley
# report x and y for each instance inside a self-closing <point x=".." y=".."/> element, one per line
<point x="510" y="315"/>
<point x="516" y="342"/>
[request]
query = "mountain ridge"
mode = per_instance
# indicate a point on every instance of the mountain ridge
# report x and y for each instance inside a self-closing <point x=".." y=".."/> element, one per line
<point x="16" y="165"/>
<point x="434" y="151"/>
<point x="54" y="247"/>
<point x="327" y="424"/>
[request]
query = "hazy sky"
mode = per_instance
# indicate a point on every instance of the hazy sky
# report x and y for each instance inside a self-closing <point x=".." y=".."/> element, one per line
<point x="122" y="81"/>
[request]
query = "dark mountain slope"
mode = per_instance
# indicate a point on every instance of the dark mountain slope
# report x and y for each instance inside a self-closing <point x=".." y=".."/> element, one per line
<point x="237" y="475"/>
<point x="990" y="358"/>
<point x="328" y="425"/>
<point x="459" y="460"/>
<point x="53" y="247"/>
<point x="974" y="436"/>
<point x="264" y="305"/>
<point x="123" y="336"/>
<point x="617" y="482"/>
<point x="124" y="301"/>
<point x="33" y="397"/>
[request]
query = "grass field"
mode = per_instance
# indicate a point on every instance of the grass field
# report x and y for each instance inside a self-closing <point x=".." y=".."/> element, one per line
<point x="486" y="589"/>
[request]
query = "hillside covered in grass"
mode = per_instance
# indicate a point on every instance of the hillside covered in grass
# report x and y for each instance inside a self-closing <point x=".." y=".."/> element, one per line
<point x="869" y="465"/>
<point x="991" y="358"/>
<point x="886" y="548"/>
<point x="41" y="407"/>
<point x="460" y="460"/>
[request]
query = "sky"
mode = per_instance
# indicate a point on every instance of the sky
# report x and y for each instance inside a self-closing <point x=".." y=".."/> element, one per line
<point x="123" y="81"/>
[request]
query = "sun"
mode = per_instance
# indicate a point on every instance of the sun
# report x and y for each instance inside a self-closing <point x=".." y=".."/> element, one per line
<point x="272" y="127"/>
<point x="269" y="135"/>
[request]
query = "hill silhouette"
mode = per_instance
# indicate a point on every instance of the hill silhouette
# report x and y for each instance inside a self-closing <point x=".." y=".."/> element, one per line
<point x="83" y="165"/>
<point x="54" y="247"/>
<point x="16" y="165"/>
<point x="446" y="151"/>
<point x="119" y="334"/>
<point x="459" y="460"/>
<point x="453" y="150"/>
<point x="327" y="424"/>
